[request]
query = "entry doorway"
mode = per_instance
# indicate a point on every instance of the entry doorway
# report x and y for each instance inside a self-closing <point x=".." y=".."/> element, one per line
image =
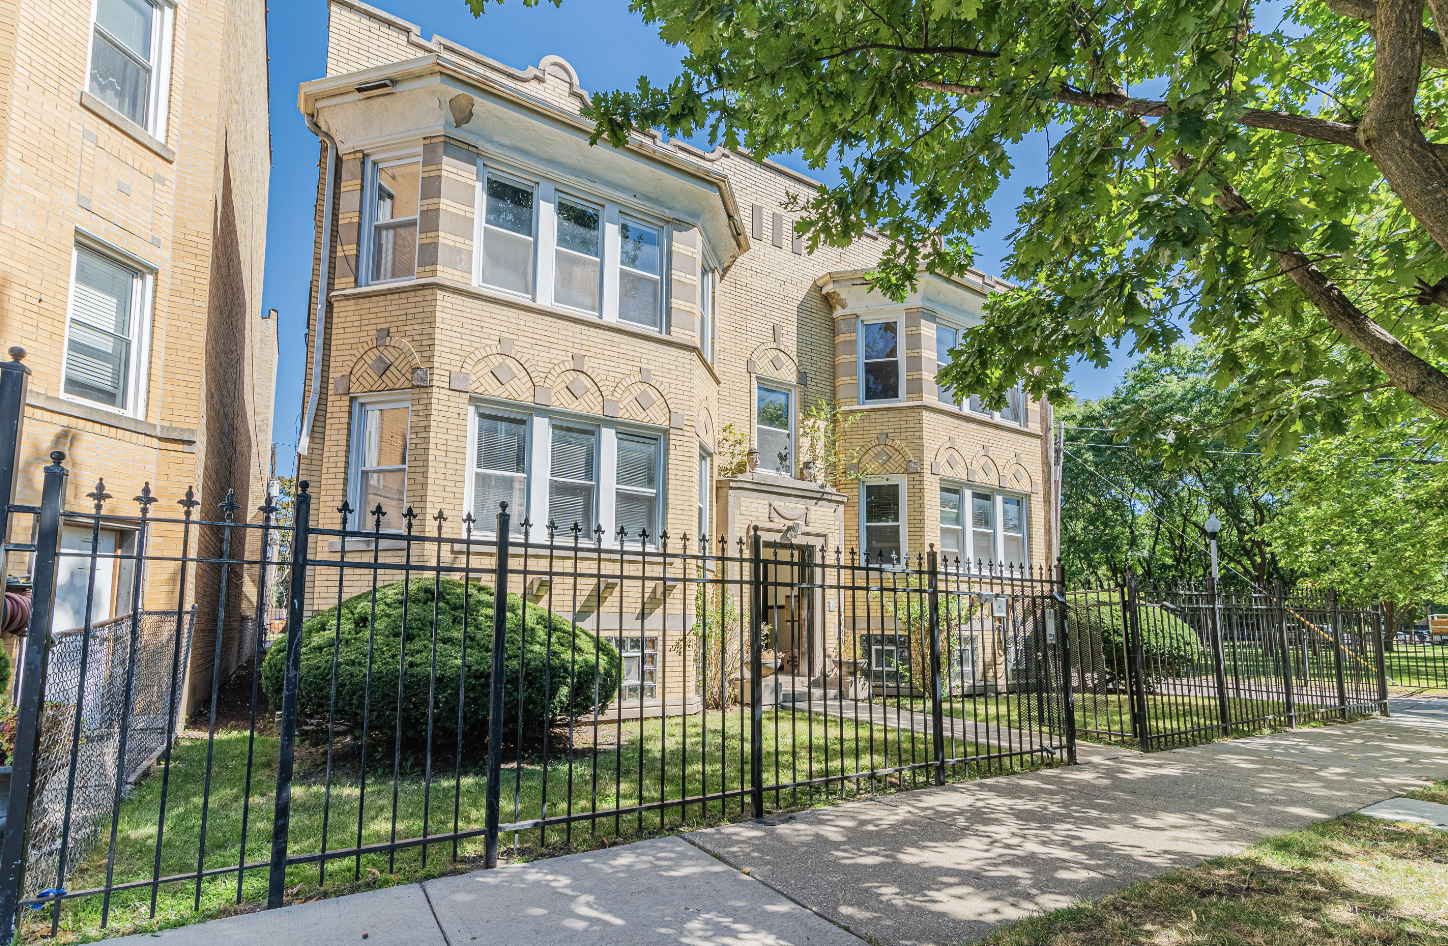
<point x="796" y="638"/>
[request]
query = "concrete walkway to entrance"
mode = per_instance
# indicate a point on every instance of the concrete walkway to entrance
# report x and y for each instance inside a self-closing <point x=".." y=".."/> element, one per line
<point x="937" y="866"/>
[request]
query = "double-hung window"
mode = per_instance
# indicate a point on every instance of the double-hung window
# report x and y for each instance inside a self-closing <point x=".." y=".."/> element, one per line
<point x="946" y="338"/>
<point x="395" y="195"/>
<point x="640" y="283"/>
<point x="880" y="374"/>
<point x="883" y="522"/>
<point x="705" y="465"/>
<point x="636" y="486"/>
<point x="508" y="227"/>
<point x="983" y="528"/>
<point x="500" y="469"/>
<point x="774" y="428"/>
<point x="128" y="59"/>
<point x="578" y="258"/>
<point x="708" y="281"/>
<point x="103" y="352"/>
<point x="573" y="477"/>
<point x="379" y="459"/>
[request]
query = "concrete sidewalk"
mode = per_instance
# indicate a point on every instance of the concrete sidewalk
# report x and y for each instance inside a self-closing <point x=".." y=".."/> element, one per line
<point x="937" y="866"/>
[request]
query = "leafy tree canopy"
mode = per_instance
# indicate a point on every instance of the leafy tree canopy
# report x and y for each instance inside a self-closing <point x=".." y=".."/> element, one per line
<point x="1273" y="175"/>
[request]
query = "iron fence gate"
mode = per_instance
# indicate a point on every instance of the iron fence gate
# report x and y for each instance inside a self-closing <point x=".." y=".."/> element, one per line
<point x="1166" y="667"/>
<point x="446" y="688"/>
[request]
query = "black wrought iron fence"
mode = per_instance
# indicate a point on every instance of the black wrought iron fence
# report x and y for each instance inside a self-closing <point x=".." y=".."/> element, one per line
<point x="1165" y="667"/>
<point x="446" y="688"/>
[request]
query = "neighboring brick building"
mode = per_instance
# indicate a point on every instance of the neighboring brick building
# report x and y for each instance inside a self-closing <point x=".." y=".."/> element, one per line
<point x="134" y="164"/>
<point x="514" y="314"/>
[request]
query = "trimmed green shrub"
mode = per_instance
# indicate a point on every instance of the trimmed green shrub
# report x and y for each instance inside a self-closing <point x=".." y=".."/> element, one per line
<point x="556" y="657"/>
<point x="1170" y="646"/>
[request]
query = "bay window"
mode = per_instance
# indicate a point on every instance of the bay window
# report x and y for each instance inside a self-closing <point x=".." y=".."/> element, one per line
<point x="508" y="227"/>
<point x="882" y="522"/>
<point x="946" y="338"/>
<point x="708" y="282"/>
<point x="983" y="528"/>
<point x="568" y="471"/>
<point x="880" y="369"/>
<point x="395" y="195"/>
<point x="639" y="272"/>
<point x="129" y="48"/>
<point x="105" y="334"/>
<point x="774" y="428"/>
<point x="379" y="461"/>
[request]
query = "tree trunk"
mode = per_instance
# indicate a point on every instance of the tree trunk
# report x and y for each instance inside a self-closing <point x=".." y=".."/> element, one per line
<point x="1390" y="625"/>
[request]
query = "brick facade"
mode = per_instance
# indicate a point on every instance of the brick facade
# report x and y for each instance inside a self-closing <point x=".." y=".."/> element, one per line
<point x="186" y="206"/>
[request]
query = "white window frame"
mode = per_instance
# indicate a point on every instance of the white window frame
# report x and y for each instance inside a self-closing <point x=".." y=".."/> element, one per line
<point x="374" y="164"/>
<point x="539" y="465"/>
<point x="939" y="392"/>
<point x="793" y="392"/>
<point x="998" y="535"/>
<point x="708" y="303"/>
<point x="970" y="404"/>
<point x="545" y="242"/>
<point x="480" y="227"/>
<point x="488" y="526"/>
<point x="705" y="490"/>
<point x="158" y="104"/>
<point x="362" y="518"/>
<point x="143" y="288"/>
<point x="569" y="195"/>
<point x="660" y="473"/>
<point x="901" y="483"/>
<point x="899" y="359"/>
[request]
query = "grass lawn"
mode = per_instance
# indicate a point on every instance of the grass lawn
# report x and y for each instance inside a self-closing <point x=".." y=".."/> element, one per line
<point x="1417" y="668"/>
<point x="661" y="761"/>
<point x="1352" y="881"/>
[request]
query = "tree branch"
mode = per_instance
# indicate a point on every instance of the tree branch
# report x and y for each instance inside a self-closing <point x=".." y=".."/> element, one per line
<point x="1390" y="130"/>
<point x="1435" y="52"/>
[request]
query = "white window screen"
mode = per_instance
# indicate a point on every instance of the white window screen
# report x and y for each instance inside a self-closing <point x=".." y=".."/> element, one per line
<point x="103" y="322"/>
<point x="639" y="275"/>
<point x="577" y="264"/>
<point x="123" y="54"/>
<point x="394" y="221"/>
<point x="880" y="365"/>
<point x="952" y="523"/>
<point x="571" y="481"/>
<point x="636" y="487"/>
<point x="501" y="470"/>
<point x="508" y="235"/>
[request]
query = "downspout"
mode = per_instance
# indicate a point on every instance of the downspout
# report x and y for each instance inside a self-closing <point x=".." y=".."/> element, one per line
<point x="319" y="320"/>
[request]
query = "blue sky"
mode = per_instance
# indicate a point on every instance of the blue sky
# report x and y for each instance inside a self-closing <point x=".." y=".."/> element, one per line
<point x="609" y="46"/>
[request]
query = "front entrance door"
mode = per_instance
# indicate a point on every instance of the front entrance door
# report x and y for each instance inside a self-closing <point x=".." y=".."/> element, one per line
<point x="789" y="612"/>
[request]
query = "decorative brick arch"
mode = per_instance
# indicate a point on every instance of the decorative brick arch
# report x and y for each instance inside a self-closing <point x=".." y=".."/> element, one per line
<point x="704" y="427"/>
<point x="770" y="361"/>
<point x="641" y="401"/>
<point x="983" y="470"/>
<point x="949" y="461"/>
<point x="493" y="373"/>
<point x="574" y="390"/>
<point x="1018" y="478"/>
<point x="886" y="456"/>
<point x="390" y="366"/>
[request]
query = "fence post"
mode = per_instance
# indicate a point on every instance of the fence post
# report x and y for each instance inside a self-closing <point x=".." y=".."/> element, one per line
<point x="496" y="685"/>
<point x="14" y="388"/>
<point x="1063" y="630"/>
<point x="1337" y="652"/>
<point x="296" y="599"/>
<point x="28" y="711"/>
<point x="1286" y="646"/>
<point x="1380" y="658"/>
<point x="937" y="710"/>
<point x="1136" y="685"/>
<point x="1219" y="657"/>
<point x="756" y="674"/>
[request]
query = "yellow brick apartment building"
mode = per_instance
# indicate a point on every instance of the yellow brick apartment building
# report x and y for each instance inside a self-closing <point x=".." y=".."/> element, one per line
<point x="134" y="164"/>
<point x="635" y="340"/>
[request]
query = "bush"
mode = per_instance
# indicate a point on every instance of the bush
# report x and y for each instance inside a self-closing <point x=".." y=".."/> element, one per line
<point x="558" y="680"/>
<point x="1098" y="644"/>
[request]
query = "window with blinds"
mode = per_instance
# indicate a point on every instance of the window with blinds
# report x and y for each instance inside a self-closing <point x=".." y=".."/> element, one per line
<point x="105" y="316"/>
<point x="572" y="477"/>
<point x="984" y="529"/>
<point x="636" y="487"/>
<point x="500" y="470"/>
<point x="883" y="539"/>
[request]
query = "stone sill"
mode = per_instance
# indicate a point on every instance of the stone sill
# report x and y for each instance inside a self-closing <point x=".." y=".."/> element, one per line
<point x="127" y="127"/>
